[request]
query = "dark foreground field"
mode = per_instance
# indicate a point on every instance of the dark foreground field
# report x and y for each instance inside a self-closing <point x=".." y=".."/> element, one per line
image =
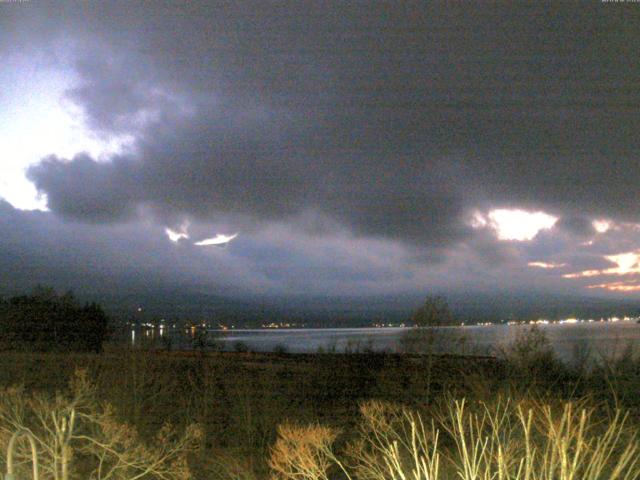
<point x="239" y="400"/>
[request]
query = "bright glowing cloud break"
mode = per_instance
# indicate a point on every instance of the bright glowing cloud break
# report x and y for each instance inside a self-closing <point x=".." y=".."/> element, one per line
<point x="217" y="240"/>
<point x="627" y="263"/>
<point x="175" y="236"/>
<point x="601" y="226"/>
<point x="515" y="224"/>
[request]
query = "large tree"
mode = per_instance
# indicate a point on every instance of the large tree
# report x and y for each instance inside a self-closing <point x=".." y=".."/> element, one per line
<point x="433" y="312"/>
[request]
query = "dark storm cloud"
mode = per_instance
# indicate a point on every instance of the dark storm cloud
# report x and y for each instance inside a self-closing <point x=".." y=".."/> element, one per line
<point x="576" y="226"/>
<point x="393" y="121"/>
<point x="390" y="122"/>
<point x="114" y="99"/>
<point x="84" y="189"/>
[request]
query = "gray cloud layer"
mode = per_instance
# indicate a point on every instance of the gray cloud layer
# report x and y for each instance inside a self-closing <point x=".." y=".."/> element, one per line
<point x="386" y="119"/>
<point x="393" y="122"/>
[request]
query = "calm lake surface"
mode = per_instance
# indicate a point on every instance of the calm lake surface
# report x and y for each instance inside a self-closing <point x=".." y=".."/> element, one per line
<point x="571" y="342"/>
<point x="568" y="340"/>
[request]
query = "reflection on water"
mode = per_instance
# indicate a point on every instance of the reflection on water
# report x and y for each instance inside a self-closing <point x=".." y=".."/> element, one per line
<point x="570" y="341"/>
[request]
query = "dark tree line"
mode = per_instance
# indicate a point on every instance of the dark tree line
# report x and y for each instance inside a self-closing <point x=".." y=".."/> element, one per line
<point x="46" y="321"/>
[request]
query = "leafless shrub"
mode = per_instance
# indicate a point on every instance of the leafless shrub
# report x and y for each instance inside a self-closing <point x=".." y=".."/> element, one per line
<point x="503" y="440"/>
<point x="78" y="437"/>
<point x="395" y="443"/>
<point x="303" y="452"/>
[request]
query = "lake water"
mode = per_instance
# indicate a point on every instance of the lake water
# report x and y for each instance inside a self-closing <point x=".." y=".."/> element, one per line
<point x="568" y="340"/>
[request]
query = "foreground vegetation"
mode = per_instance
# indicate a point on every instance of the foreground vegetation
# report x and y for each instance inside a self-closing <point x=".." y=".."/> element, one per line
<point x="127" y="414"/>
<point x="502" y="439"/>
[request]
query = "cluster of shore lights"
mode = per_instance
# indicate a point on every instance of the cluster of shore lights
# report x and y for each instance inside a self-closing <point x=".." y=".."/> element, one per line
<point x="572" y="321"/>
<point x="280" y="325"/>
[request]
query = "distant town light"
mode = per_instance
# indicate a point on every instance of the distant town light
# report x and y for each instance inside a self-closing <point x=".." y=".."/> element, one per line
<point x="569" y="320"/>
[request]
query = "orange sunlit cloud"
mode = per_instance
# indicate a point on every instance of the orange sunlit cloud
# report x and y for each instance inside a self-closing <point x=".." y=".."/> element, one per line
<point x="627" y="263"/>
<point x="586" y="273"/>
<point x="617" y="287"/>
<point x="546" y="265"/>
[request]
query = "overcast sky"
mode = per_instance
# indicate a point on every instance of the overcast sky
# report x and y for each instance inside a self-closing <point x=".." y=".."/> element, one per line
<point x="351" y="148"/>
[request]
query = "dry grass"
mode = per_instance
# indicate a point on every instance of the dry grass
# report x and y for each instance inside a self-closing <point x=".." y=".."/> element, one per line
<point x="502" y="440"/>
<point x="393" y="442"/>
<point x="240" y="399"/>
